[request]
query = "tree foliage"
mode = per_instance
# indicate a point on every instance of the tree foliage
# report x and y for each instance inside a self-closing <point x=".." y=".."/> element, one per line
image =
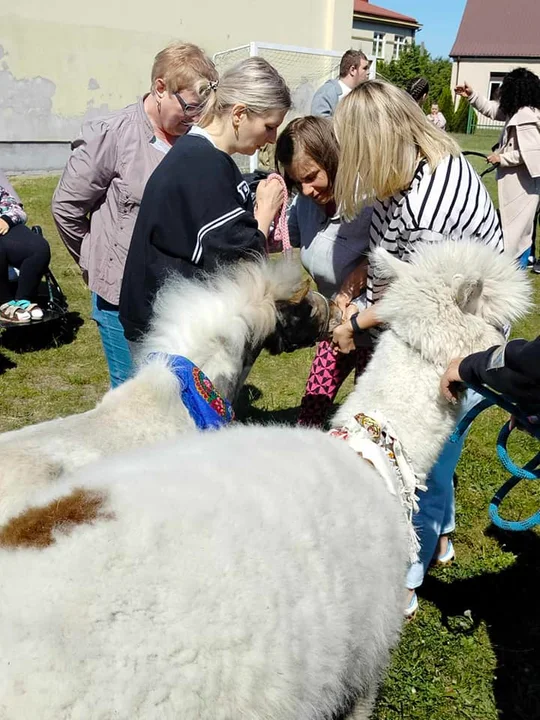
<point x="415" y="61"/>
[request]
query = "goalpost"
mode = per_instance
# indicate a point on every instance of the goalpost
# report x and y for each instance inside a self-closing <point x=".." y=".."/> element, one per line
<point x="304" y="70"/>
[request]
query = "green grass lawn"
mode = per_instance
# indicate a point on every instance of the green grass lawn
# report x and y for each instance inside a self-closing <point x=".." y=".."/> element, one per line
<point x="473" y="651"/>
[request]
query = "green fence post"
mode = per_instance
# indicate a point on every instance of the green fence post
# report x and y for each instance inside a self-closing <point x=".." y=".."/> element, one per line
<point x="470" y="120"/>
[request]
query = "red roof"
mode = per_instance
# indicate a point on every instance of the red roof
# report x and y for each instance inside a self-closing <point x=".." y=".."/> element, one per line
<point x="504" y="29"/>
<point x="364" y="7"/>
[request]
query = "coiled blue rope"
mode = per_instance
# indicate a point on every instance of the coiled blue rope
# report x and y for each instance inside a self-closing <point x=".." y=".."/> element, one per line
<point x="530" y="471"/>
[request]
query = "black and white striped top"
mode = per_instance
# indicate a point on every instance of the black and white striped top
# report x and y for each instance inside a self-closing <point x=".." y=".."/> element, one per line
<point x="451" y="203"/>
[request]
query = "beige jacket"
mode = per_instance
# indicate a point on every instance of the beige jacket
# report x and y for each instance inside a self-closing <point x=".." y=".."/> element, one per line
<point x="518" y="175"/>
<point x="99" y="194"/>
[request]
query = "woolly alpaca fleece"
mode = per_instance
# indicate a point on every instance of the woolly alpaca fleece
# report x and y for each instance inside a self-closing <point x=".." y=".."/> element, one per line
<point x="244" y="574"/>
<point x="451" y="299"/>
<point x="217" y="323"/>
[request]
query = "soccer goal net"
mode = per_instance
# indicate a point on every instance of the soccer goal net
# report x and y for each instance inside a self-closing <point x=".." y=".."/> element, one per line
<point x="304" y="70"/>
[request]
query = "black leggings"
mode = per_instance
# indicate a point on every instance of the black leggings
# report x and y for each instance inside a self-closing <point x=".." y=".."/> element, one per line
<point x="30" y="253"/>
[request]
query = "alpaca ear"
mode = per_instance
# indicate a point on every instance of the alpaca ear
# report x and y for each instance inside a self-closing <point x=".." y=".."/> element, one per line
<point x="387" y="265"/>
<point x="301" y="293"/>
<point x="467" y="290"/>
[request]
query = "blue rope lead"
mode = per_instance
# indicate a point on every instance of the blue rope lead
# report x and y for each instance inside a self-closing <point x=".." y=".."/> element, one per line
<point x="528" y="472"/>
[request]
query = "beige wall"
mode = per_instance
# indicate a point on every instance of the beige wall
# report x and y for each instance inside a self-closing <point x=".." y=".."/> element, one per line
<point x="363" y="34"/>
<point x="66" y="60"/>
<point x="476" y="72"/>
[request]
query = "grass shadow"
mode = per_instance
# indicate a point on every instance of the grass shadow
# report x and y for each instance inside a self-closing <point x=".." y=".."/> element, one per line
<point x="507" y="602"/>
<point x="42" y="336"/>
<point x="246" y="412"/>
<point x="6" y="364"/>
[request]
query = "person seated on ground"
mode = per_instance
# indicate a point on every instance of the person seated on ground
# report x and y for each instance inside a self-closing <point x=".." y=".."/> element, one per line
<point x="512" y="369"/>
<point x="418" y="89"/>
<point x="436" y="117"/>
<point x="22" y="249"/>
<point x="333" y="252"/>
<point x="353" y="69"/>
<point x="413" y="174"/>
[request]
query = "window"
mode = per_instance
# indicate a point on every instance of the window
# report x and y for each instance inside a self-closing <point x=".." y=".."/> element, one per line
<point x="378" y="44"/>
<point x="495" y="82"/>
<point x="400" y="41"/>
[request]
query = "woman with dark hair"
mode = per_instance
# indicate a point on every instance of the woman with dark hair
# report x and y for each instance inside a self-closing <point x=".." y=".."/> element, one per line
<point x="517" y="154"/>
<point x="332" y="252"/>
<point x="418" y="89"/>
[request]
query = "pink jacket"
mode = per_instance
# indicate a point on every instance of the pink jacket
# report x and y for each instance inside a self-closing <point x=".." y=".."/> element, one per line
<point x="97" y="199"/>
<point x="518" y="175"/>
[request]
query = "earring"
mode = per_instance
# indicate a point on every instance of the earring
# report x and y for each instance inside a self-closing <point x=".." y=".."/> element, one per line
<point x="158" y="103"/>
<point x="236" y="132"/>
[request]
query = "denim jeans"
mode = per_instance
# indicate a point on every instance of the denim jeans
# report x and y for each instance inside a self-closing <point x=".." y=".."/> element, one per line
<point x="115" y="345"/>
<point x="437" y="513"/>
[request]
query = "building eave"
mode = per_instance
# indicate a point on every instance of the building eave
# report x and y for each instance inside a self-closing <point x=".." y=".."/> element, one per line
<point x="387" y="21"/>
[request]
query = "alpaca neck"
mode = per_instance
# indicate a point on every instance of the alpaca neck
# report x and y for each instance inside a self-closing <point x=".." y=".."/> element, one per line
<point x="218" y="334"/>
<point x="404" y="388"/>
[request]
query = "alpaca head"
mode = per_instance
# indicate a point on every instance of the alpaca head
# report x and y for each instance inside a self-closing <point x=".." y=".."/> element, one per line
<point x="221" y="321"/>
<point x="452" y="298"/>
<point x="302" y="318"/>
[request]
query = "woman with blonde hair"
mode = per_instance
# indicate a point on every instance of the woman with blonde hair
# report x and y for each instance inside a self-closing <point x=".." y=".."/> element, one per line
<point x="333" y="252"/>
<point x="422" y="190"/>
<point x="196" y="212"/>
<point x="97" y="200"/>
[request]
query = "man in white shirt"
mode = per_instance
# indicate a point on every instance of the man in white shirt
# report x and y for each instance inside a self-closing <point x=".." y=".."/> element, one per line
<point x="353" y="70"/>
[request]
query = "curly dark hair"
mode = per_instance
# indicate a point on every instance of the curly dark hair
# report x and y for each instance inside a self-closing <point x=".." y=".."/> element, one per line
<point x="520" y="88"/>
<point x="417" y="88"/>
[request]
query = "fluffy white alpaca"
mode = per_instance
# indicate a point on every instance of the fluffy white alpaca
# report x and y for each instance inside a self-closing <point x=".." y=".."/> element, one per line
<point x="218" y="324"/>
<point x="248" y="573"/>
<point x="450" y="300"/>
<point x="251" y="573"/>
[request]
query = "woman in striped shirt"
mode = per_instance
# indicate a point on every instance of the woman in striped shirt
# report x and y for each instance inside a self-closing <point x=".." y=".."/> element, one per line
<point x="422" y="190"/>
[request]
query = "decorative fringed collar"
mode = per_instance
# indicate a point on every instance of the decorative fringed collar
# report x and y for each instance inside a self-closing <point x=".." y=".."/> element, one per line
<point x="373" y="438"/>
<point x="208" y="409"/>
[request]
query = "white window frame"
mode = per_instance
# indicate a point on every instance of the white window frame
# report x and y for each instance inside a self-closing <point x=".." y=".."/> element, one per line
<point x="400" y="43"/>
<point x="379" y="44"/>
<point x="495" y="81"/>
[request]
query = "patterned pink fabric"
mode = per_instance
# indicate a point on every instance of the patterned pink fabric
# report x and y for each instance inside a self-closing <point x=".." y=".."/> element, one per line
<point x="281" y="226"/>
<point x="327" y="374"/>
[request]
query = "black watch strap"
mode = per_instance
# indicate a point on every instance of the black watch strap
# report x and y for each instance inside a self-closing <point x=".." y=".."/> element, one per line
<point x="354" y="323"/>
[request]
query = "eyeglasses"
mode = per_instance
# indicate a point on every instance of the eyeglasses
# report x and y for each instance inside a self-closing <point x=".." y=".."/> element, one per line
<point x="190" y="111"/>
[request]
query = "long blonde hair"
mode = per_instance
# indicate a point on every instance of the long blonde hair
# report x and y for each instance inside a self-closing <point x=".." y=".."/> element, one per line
<point x="253" y="83"/>
<point x="382" y="134"/>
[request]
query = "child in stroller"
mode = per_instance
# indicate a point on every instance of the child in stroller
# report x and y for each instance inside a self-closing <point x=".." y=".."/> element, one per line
<point x="24" y="250"/>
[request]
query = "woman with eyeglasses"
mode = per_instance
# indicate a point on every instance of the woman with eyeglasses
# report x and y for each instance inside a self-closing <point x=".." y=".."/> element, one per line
<point x="97" y="200"/>
<point x="197" y="213"/>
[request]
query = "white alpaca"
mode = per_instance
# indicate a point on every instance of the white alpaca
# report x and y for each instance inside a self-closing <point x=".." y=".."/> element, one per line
<point x="450" y="300"/>
<point x="252" y="573"/>
<point x="219" y="324"/>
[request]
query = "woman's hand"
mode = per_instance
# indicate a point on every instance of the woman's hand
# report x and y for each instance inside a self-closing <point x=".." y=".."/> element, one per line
<point x="269" y="196"/>
<point x="343" y="300"/>
<point x="269" y="199"/>
<point x="464" y="90"/>
<point x="494" y="159"/>
<point x="4" y="227"/>
<point x="448" y="384"/>
<point x="343" y="338"/>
